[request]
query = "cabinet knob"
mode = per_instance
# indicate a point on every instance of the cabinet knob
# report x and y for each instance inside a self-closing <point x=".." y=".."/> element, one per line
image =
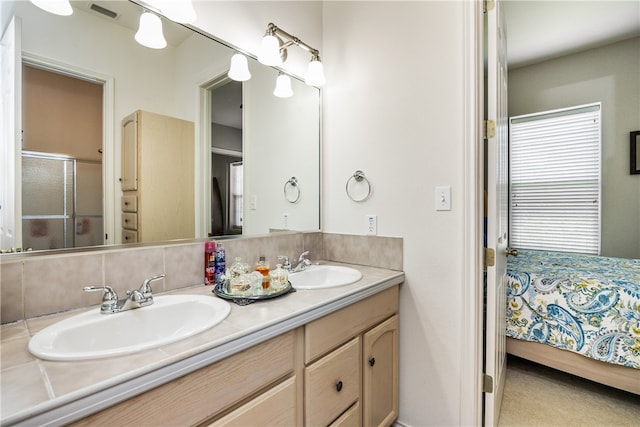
<point x="339" y="386"/>
<point x="372" y="361"/>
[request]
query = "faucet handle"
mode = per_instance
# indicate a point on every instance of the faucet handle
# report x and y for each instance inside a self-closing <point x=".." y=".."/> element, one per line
<point x="286" y="264"/>
<point x="109" y="298"/>
<point x="302" y="255"/>
<point x="145" y="288"/>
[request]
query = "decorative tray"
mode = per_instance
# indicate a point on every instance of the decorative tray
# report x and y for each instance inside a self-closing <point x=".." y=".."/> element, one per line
<point x="242" y="299"/>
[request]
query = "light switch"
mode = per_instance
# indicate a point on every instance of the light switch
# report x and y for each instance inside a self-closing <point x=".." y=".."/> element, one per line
<point x="253" y="202"/>
<point x="443" y="198"/>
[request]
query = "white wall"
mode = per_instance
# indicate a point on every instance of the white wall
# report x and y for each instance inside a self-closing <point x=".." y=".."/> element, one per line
<point x="393" y="108"/>
<point x="611" y="75"/>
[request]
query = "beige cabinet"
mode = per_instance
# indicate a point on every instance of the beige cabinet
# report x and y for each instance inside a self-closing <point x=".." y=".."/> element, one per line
<point x="356" y="344"/>
<point x="157" y="178"/>
<point x="212" y="391"/>
<point x="332" y="384"/>
<point x="380" y="384"/>
<point x="340" y="370"/>
<point x="275" y="407"/>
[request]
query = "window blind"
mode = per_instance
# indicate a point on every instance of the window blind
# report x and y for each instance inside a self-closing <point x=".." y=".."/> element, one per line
<point x="555" y="180"/>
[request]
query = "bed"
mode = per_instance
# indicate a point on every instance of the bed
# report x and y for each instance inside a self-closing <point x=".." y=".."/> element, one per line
<point x="577" y="313"/>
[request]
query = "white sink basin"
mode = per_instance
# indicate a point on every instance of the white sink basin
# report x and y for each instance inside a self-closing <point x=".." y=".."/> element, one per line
<point x="92" y="335"/>
<point x="324" y="276"/>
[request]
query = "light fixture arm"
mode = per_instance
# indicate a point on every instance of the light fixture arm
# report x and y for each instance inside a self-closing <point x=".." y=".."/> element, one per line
<point x="273" y="30"/>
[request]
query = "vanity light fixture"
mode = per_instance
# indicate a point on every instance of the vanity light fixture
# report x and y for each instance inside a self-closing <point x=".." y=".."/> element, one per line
<point x="270" y="49"/>
<point x="239" y="70"/>
<point x="315" y="72"/>
<point x="180" y="11"/>
<point x="57" y="7"/>
<point x="150" y="31"/>
<point x="283" y="86"/>
<point x="274" y="52"/>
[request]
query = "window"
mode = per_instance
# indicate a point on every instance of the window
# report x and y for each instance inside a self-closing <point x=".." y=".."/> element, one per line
<point x="555" y="180"/>
<point x="235" y="194"/>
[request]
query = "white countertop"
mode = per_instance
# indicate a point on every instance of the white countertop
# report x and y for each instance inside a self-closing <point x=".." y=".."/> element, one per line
<point x="42" y="392"/>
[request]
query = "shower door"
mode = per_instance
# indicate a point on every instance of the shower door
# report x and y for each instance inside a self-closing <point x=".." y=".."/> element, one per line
<point x="61" y="202"/>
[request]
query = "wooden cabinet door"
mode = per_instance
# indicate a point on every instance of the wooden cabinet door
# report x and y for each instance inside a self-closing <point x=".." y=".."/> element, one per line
<point x="380" y="365"/>
<point x="129" y="178"/>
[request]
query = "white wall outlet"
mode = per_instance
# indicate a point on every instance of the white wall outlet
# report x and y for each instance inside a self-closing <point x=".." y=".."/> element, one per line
<point x="253" y="202"/>
<point x="285" y="217"/>
<point x="372" y="224"/>
<point x="443" y="198"/>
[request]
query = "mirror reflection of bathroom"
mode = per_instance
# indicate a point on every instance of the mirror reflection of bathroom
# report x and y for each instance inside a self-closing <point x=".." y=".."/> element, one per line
<point x="226" y="158"/>
<point x="61" y="160"/>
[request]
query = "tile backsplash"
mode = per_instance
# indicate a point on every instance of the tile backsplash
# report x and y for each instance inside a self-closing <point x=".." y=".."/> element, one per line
<point x="33" y="286"/>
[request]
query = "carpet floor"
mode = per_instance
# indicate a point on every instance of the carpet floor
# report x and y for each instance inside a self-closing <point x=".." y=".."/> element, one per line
<point x="535" y="395"/>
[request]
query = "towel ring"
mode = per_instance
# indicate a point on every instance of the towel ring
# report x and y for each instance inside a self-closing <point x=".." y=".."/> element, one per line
<point x="354" y="179"/>
<point x="292" y="184"/>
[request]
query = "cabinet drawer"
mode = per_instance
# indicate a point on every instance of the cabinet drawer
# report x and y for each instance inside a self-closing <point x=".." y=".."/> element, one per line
<point x="202" y="394"/>
<point x="129" y="236"/>
<point x="129" y="203"/>
<point x="328" y="332"/>
<point x="275" y="407"/>
<point x="332" y="384"/>
<point x="130" y="221"/>
<point x="351" y="418"/>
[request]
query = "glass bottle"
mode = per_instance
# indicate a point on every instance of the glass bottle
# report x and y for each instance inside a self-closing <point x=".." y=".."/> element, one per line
<point x="279" y="278"/>
<point x="263" y="268"/>
<point x="209" y="263"/>
<point x="220" y="263"/>
<point x="238" y="268"/>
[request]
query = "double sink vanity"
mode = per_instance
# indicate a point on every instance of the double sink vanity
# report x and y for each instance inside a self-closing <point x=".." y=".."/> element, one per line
<point x="326" y="354"/>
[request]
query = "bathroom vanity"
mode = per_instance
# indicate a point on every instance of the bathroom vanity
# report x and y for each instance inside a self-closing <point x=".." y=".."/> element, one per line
<point x="326" y="356"/>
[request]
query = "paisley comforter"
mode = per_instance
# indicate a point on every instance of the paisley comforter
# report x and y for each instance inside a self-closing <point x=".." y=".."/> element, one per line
<point x="586" y="304"/>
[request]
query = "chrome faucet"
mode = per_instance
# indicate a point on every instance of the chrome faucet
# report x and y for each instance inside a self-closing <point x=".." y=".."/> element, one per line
<point x="302" y="263"/>
<point x="137" y="298"/>
<point x="286" y="264"/>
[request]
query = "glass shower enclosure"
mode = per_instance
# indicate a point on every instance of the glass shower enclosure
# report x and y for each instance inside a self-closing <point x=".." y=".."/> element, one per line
<point x="61" y="201"/>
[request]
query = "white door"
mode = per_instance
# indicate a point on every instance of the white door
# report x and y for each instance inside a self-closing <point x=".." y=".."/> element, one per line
<point x="10" y="150"/>
<point x="497" y="214"/>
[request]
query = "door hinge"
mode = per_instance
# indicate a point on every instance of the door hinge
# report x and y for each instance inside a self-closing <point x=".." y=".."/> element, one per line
<point x="487" y="383"/>
<point x="488" y="5"/>
<point x="489" y="257"/>
<point x="489" y="129"/>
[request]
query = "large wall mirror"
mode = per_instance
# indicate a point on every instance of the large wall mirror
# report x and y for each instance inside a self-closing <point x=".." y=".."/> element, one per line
<point x="248" y="144"/>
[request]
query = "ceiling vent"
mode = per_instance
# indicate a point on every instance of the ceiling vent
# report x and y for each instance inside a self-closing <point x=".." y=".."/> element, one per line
<point x="106" y="12"/>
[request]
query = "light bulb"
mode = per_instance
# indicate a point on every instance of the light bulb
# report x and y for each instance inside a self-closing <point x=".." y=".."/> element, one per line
<point x="315" y="73"/>
<point x="239" y="69"/>
<point x="150" y="31"/>
<point x="270" y="51"/>
<point x="283" y="86"/>
<point x="57" y="7"/>
<point x="178" y="10"/>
